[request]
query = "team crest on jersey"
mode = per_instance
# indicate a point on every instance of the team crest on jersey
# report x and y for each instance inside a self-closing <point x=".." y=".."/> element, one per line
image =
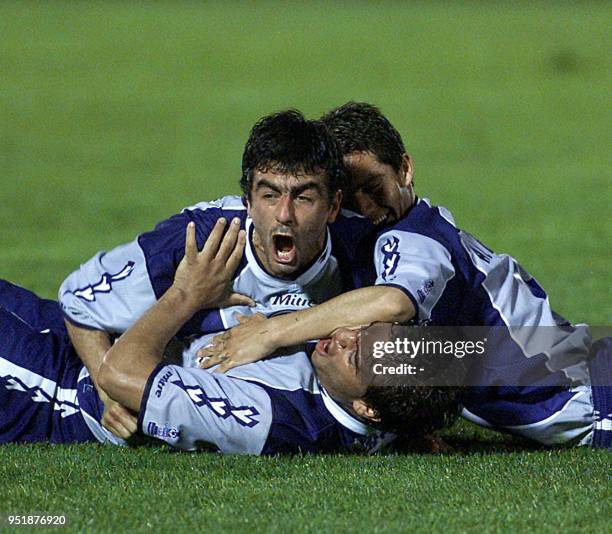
<point x="391" y="257"/>
<point x="104" y="285"/>
<point x="164" y="431"/>
<point x="221" y="407"/>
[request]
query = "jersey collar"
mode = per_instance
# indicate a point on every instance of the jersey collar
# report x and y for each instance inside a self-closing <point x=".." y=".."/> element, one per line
<point x="343" y="417"/>
<point x="305" y="278"/>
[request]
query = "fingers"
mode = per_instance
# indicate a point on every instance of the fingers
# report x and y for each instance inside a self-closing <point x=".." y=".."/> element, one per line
<point x="191" y="246"/>
<point x="229" y="241"/>
<point x="225" y="366"/>
<point x="244" y="319"/>
<point x="212" y="243"/>
<point x="119" y="420"/>
<point x="236" y="299"/>
<point x="206" y="362"/>
<point x="236" y="252"/>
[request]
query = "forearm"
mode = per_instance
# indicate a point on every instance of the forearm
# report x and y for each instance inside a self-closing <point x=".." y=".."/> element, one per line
<point x="359" y="307"/>
<point x="90" y="345"/>
<point x="130" y="361"/>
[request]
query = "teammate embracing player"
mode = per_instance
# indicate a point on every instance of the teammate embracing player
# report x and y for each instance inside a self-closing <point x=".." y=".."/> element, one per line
<point x="276" y="255"/>
<point x="432" y="273"/>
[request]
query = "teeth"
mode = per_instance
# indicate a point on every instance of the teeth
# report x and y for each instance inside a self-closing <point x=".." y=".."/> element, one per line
<point x="380" y="219"/>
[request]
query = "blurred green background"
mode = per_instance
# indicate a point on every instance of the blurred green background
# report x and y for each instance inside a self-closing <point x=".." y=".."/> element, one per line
<point x="116" y="115"/>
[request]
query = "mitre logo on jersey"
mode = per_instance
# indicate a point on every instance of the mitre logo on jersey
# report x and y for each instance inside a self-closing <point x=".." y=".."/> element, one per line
<point x="104" y="285"/>
<point x="221" y="407"/>
<point x="391" y="257"/>
<point x="162" y="383"/>
<point x="291" y="300"/>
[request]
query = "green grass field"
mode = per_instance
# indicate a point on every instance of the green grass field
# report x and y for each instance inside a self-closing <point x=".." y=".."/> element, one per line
<point x="115" y="116"/>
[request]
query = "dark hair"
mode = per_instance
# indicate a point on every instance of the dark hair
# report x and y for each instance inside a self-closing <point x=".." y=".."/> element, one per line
<point x="361" y="127"/>
<point x="412" y="405"/>
<point x="413" y="411"/>
<point x="289" y="143"/>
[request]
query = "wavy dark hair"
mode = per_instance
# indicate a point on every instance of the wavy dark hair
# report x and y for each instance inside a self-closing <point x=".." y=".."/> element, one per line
<point x="361" y="127"/>
<point x="416" y="404"/>
<point x="287" y="142"/>
<point x="413" y="411"/>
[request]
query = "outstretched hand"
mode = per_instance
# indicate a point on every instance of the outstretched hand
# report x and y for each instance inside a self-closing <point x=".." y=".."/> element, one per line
<point x="205" y="276"/>
<point x="248" y="342"/>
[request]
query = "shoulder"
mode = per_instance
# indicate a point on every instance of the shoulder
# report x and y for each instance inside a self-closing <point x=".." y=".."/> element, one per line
<point x="222" y="207"/>
<point x="424" y="218"/>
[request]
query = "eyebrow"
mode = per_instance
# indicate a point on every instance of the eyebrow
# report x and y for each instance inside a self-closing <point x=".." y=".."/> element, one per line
<point x="294" y="191"/>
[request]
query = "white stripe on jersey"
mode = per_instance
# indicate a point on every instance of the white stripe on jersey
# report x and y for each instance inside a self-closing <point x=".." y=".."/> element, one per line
<point x="41" y="389"/>
<point x="505" y="283"/>
<point x="230" y="202"/>
<point x="572" y="424"/>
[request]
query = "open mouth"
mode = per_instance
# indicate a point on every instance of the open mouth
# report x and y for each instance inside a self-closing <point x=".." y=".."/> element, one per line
<point x="323" y="346"/>
<point x="284" y="249"/>
<point x="381" y="219"/>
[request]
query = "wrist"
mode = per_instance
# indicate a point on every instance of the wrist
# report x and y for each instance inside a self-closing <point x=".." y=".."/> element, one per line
<point x="181" y="300"/>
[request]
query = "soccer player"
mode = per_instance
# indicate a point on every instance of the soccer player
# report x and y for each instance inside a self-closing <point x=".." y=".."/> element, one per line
<point x="278" y="405"/>
<point x="292" y="176"/>
<point x="557" y="381"/>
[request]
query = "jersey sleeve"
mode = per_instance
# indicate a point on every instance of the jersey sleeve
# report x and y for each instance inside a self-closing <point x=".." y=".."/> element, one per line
<point x="418" y="265"/>
<point x="192" y="409"/>
<point x="113" y="289"/>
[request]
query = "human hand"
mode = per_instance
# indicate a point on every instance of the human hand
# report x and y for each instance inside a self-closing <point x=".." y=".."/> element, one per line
<point x="204" y="277"/>
<point x="248" y="342"/>
<point x="116" y="418"/>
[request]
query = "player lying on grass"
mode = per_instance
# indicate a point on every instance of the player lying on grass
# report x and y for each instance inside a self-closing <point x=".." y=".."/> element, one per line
<point x="293" y="403"/>
<point x="292" y="175"/>
<point x="557" y="384"/>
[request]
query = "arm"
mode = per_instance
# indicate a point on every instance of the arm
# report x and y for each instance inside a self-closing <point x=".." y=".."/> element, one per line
<point x="255" y="339"/>
<point x="412" y="271"/>
<point x="91" y="345"/>
<point x="201" y="280"/>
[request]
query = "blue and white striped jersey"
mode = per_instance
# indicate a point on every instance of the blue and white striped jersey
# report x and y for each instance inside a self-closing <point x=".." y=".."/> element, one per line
<point x="453" y="279"/>
<point x="111" y="290"/>
<point x="267" y="407"/>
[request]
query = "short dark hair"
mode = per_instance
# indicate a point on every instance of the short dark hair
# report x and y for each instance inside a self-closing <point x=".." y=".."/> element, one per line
<point x="361" y="127"/>
<point x="289" y="143"/>
<point x="413" y="411"/>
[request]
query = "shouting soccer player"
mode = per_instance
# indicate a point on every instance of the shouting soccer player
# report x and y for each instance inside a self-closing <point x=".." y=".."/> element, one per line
<point x="289" y="404"/>
<point x="432" y="273"/>
<point x="292" y="176"/>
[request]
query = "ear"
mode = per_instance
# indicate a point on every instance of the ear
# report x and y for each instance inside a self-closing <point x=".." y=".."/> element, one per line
<point x="407" y="170"/>
<point x="248" y="203"/>
<point x="364" y="411"/>
<point x="335" y="206"/>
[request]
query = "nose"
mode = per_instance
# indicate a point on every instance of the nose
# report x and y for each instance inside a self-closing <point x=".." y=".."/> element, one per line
<point x="346" y="339"/>
<point x="365" y="205"/>
<point x="285" y="213"/>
